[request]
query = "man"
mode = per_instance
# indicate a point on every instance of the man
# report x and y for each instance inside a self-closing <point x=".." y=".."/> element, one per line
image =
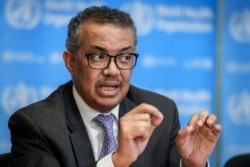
<point x="64" y="130"/>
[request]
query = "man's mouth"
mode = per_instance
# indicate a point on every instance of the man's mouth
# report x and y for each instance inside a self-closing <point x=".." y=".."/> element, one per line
<point x="108" y="88"/>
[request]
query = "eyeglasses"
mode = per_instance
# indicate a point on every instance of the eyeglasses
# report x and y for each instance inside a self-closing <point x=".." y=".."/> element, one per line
<point x="100" y="61"/>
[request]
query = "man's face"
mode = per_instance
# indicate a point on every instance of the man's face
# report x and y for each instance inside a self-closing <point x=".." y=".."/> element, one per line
<point x="102" y="89"/>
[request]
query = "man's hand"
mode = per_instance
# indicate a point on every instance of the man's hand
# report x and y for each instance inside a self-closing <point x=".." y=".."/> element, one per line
<point x="136" y="127"/>
<point x="196" y="142"/>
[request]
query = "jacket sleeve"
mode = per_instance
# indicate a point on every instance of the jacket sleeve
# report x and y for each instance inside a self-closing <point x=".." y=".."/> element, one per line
<point x="29" y="145"/>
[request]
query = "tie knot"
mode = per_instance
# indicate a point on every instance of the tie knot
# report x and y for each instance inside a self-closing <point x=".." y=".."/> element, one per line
<point x="105" y="121"/>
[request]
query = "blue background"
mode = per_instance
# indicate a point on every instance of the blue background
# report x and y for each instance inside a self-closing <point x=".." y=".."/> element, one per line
<point x="195" y="52"/>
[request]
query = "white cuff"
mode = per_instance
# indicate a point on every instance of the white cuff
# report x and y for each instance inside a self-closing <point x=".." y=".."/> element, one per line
<point x="106" y="161"/>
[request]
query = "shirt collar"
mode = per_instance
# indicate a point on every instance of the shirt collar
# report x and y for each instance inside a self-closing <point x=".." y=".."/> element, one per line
<point x="87" y="113"/>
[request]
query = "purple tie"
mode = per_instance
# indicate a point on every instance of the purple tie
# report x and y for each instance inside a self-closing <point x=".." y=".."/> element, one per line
<point x="109" y="142"/>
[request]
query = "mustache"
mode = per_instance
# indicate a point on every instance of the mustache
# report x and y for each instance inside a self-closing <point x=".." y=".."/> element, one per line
<point x="110" y="80"/>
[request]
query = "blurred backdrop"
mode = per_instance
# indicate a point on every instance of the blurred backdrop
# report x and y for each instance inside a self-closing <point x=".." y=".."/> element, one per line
<point x="193" y="51"/>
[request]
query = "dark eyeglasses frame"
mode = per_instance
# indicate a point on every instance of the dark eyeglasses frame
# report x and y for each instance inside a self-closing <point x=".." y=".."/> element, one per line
<point x="136" y="55"/>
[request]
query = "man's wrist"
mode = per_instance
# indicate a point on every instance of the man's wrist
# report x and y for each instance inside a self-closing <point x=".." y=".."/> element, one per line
<point x="119" y="162"/>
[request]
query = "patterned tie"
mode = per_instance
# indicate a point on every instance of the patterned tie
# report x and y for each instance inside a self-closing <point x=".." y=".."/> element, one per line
<point x="106" y="123"/>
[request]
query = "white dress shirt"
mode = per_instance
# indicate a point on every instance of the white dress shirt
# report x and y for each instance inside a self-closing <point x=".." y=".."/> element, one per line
<point x="95" y="133"/>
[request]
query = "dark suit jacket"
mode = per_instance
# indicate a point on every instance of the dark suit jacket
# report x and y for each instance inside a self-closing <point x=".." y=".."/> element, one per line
<point x="51" y="133"/>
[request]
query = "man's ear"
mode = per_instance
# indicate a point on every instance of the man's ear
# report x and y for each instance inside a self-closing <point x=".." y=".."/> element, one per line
<point x="68" y="58"/>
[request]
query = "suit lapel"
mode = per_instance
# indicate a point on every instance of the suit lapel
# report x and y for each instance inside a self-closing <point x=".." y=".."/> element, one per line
<point x="125" y="106"/>
<point x="79" y="136"/>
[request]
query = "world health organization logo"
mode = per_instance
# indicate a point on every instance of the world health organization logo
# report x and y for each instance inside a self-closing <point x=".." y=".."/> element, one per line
<point x="18" y="96"/>
<point x="23" y="14"/>
<point x="239" y="26"/>
<point x="142" y="14"/>
<point x="239" y="108"/>
<point x="21" y="94"/>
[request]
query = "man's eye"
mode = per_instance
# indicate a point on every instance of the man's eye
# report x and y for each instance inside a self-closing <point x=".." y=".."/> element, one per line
<point x="98" y="57"/>
<point x="125" y="58"/>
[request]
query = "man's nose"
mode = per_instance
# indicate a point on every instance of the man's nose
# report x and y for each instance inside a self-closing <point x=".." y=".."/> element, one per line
<point x="112" y="67"/>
